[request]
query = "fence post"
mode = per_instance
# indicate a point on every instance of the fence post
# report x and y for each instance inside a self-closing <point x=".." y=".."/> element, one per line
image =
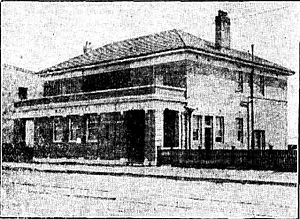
<point x="232" y="155"/>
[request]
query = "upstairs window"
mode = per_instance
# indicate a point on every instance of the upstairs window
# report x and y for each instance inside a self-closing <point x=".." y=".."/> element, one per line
<point x="239" y="128"/>
<point x="58" y="130"/>
<point x="220" y="129"/>
<point x="23" y="93"/>
<point x="262" y="84"/>
<point x="240" y="82"/>
<point x="92" y="128"/>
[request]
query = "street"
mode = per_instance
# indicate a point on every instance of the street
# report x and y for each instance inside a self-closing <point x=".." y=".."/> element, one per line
<point x="26" y="193"/>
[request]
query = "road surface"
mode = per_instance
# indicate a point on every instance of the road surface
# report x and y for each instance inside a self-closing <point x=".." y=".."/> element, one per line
<point x="26" y="193"/>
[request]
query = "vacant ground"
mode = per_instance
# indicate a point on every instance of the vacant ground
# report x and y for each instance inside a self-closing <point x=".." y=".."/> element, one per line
<point x="26" y="193"/>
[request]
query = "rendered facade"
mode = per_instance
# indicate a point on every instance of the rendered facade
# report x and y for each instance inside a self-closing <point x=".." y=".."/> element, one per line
<point x="127" y="100"/>
<point x="17" y="84"/>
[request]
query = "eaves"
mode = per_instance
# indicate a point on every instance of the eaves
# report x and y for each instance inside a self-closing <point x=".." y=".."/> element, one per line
<point x="216" y="55"/>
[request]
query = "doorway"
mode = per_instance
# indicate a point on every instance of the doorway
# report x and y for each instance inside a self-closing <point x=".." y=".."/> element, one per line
<point x="171" y="131"/>
<point x="208" y="133"/>
<point x="135" y="125"/>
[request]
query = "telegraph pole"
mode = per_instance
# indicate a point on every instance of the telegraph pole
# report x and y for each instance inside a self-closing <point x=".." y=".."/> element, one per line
<point x="251" y="98"/>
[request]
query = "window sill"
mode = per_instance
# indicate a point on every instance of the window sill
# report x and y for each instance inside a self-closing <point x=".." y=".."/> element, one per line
<point x="169" y="148"/>
<point x="59" y="141"/>
<point x="92" y="141"/>
<point x="72" y="141"/>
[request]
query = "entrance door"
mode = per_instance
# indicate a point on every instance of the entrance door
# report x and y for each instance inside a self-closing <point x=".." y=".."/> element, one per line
<point x="208" y="132"/>
<point x="135" y="124"/>
<point x="259" y="139"/>
<point x="171" y="131"/>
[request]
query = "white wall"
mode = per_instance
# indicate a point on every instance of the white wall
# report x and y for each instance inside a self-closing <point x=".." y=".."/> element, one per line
<point x="212" y="86"/>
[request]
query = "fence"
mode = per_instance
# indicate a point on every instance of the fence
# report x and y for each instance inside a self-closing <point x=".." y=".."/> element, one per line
<point x="278" y="160"/>
<point x="17" y="152"/>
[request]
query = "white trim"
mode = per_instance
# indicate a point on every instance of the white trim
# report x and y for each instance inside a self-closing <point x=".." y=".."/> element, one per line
<point x="91" y="141"/>
<point x="115" y="89"/>
<point x="169" y="148"/>
<point x="98" y="107"/>
<point x="169" y="87"/>
<point x="114" y="100"/>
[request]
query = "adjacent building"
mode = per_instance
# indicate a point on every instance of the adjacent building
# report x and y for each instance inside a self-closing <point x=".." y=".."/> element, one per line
<point x="17" y="84"/>
<point x="129" y="99"/>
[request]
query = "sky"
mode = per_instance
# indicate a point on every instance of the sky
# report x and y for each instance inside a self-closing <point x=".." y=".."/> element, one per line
<point x="37" y="35"/>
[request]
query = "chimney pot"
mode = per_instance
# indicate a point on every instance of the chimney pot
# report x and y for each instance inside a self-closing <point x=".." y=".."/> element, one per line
<point x="87" y="47"/>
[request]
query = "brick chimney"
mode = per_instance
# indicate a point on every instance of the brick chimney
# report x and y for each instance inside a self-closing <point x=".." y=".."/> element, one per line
<point x="222" y="30"/>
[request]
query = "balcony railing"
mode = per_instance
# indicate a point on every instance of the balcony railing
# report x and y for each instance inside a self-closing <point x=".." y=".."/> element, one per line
<point x="131" y="91"/>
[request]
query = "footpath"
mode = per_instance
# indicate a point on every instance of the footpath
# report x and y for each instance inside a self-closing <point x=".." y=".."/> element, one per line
<point x="167" y="172"/>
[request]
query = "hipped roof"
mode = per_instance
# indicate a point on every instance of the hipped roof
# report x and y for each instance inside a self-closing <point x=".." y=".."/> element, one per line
<point x="154" y="43"/>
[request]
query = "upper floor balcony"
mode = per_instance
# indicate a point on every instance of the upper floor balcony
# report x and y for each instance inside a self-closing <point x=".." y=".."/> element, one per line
<point x="166" y="80"/>
<point x="159" y="91"/>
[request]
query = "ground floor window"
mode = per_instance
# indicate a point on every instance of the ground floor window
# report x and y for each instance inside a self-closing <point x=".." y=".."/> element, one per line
<point x="239" y="128"/>
<point x="92" y="127"/>
<point x="58" y="130"/>
<point x="220" y="129"/>
<point x="197" y="128"/>
<point x="259" y="139"/>
<point x="74" y="129"/>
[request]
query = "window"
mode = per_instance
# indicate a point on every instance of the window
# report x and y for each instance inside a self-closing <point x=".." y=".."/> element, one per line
<point x="240" y="82"/>
<point x="239" y="128"/>
<point x="92" y="128"/>
<point x="23" y="93"/>
<point x="259" y="139"/>
<point x="57" y="130"/>
<point x="208" y="121"/>
<point x="262" y="84"/>
<point x="197" y="128"/>
<point x="75" y="129"/>
<point x="220" y="129"/>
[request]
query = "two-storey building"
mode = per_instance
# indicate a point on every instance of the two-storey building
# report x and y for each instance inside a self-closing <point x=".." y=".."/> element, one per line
<point x="129" y="99"/>
<point x="17" y="84"/>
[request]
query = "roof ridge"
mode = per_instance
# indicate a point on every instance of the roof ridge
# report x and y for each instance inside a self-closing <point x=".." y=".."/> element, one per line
<point x="136" y="38"/>
<point x="17" y="68"/>
<point x="177" y="32"/>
